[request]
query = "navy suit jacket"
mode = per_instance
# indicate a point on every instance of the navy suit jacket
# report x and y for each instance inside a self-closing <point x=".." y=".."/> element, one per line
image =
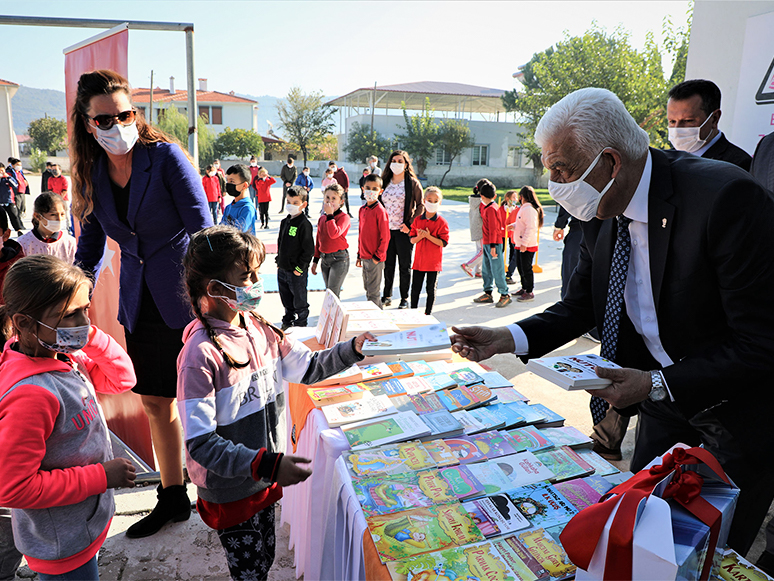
<point x="166" y="205"/>
<point x="712" y="274"/>
<point x="724" y="150"/>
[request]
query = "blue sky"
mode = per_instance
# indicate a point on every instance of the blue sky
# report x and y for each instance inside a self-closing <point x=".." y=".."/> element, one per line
<point x="264" y="48"/>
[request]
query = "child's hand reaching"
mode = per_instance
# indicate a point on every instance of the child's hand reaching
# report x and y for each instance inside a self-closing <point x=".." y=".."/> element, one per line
<point x="289" y="471"/>
<point x="120" y="473"/>
<point x="359" y="263"/>
<point x="360" y="339"/>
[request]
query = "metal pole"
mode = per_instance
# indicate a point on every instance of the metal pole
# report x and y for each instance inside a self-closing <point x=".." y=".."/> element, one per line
<point x="373" y="104"/>
<point x="93" y="23"/>
<point x="193" y="110"/>
<point x="150" y="105"/>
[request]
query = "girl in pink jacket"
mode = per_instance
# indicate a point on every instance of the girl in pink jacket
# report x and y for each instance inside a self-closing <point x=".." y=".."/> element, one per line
<point x="58" y="468"/>
<point x="528" y="221"/>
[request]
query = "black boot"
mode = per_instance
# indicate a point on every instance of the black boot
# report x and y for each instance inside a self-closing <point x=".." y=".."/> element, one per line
<point x="173" y="506"/>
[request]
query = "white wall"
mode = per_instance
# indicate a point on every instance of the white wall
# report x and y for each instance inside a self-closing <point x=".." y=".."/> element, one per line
<point x="8" y="145"/>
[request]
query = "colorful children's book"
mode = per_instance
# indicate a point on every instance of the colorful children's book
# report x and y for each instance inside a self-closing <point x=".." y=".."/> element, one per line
<point x="492" y="444"/>
<point x="495" y="380"/>
<point x="429" y="338"/>
<point x="465" y="450"/>
<point x="567" y="436"/>
<point x="466" y="376"/>
<point x="390" y="387"/>
<point x="420" y="367"/>
<point x="432" y="401"/>
<point x="439" y="366"/>
<point x="519" y="559"/>
<point x="509" y="395"/>
<point x="457" y="398"/>
<point x="357" y="410"/>
<point x="441" y="453"/>
<point x="359" y="306"/>
<point x="414" y="455"/>
<point x="421" y="530"/>
<point x="321" y="396"/>
<point x="482" y="393"/>
<point x="551" y="419"/>
<point x="400" y="369"/>
<point x="548" y="552"/>
<point x="469" y="424"/>
<point x="532" y="415"/>
<point x="616" y="479"/>
<point x="462" y="482"/>
<point x="325" y="314"/>
<point x="507" y="414"/>
<point x="578" y="492"/>
<point x="377" y="432"/>
<point x="349" y="376"/>
<point x="376" y="326"/>
<point x="496" y="515"/>
<point x="572" y="372"/>
<point x="489" y="420"/>
<point x="415" y="385"/>
<point x="564" y="463"/>
<point x="600" y="484"/>
<point x="524" y="468"/>
<point x="374" y="371"/>
<point x="529" y="438"/>
<point x="388" y="494"/>
<point x="601" y="466"/>
<point x="491" y="476"/>
<point x="377" y="462"/>
<point x="440" y="381"/>
<point x="542" y="504"/>
<point x="442" y="425"/>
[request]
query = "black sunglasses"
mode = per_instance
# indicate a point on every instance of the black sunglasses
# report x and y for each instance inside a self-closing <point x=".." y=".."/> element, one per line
<point x="106" y="122"/>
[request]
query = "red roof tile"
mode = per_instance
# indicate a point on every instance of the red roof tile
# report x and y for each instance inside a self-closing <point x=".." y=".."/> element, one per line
<point x="163" y="96"/>
<point x="8" y="83"/>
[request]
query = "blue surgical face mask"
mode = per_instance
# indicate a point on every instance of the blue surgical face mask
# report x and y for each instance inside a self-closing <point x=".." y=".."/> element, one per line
<point x="247" y="297"/>
<point x="68" y="339"/>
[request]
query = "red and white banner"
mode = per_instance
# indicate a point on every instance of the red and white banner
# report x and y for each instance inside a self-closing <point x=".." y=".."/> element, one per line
<point x="124" y="412"/>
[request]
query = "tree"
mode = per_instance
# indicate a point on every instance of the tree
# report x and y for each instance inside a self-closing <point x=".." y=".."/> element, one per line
<point x="325" y="148"/>
<point x="238" y="142"/>
<point x="48" y="134"/>
<point x="38" y="159"/>
<point x="175" y="124"/>
<point x="363" y="143"/>
<point x="419" y="139"/>
<point x="454" y="137"/>
<point x="305" y="119"/>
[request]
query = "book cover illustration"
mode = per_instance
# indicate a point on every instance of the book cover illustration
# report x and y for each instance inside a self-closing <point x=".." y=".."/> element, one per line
<point x="495" y="515"/>
<point x="321" y="396"/>
<point x="598" y="483"/>
<point x="465" y="450"/>
<point x="470" y="425"/>
<point x="404" y="534"/>
<point x="442" y="424"/>
<point x="578" y="492"/>
<point x="564" y="463"/>
<point x="548" y="552"/>
<point x="542" y="504"/>
<point x="491" y="476"/>
<point x="465" y="376"/>
<point x="457" y="398"/>
<point x="429" y="338"/>
<point x="441" y="452"/>
<point x="601" y="466"/>
<point x="567" y="436"/>
<point x="482" y="393"/>
<point x="388" y="494"/>
<point x="325" y="314"/>
<point x="529" y="438"/>
<point x="377" y="462"/>
<point x="572" y="372"/>
<point x="433" y="402"/>
<point x="532" y="415"/>
<point x="488" y="419"/>
<point x="492" y="444"/>
<point x="400" y="369"/>
<point x="420" y="367"/>
<point x="524" y="468"/>
<point x="395" y="428"/>
<point x="415" y="385"/>
<point x="415" y="456"/>
<point x="463" y="484"/>
<point x="373" y="371"/>
<point x="507" y="415"/>
<point x="509" y="395"/>
<point x="365" y="408"/>
<point x="519" y="559"/>
<point x="439" y="381"/>
<point x="495" y="380"/>
<point x="551" y="419"/>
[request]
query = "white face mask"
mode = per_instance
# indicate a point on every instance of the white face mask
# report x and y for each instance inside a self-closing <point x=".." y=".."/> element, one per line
<point x="687" y="138"/>
<point x="370" y="195"/>
<point x="333" y="169"/>
<point x="253" y="164"/>
<point x="53" y="226"/>
<point x="292" y="210"/>
<point x="397" y="168"/>
<point x="579" y="198"/>
<point x="68" y="339"/>
<point x="119" y="139"/>
<point x="306" y="173"/>
<point x="432" y="207"/>
<point x="17" y="168"/>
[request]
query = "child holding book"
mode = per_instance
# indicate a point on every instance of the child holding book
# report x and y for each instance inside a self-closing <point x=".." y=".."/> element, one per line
<point x="528" y="222"/>
<point x="492" y="268"/>
<point x="295" y="249"/>
<point x="429" y="233"/>
<point x="49" y="229"/>
<point x="331" y="248"/>
<point x="233" y="441"/>
<point x="262" y="184"/>
<point x="373" y="238"/>
<point x="211" y="185"/>
<point x="58" y="470"/>
<point x="241" y="212"/>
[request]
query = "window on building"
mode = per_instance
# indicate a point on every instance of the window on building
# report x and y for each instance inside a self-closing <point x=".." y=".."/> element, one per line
<point x="217" y="116"/>
<point x="514" y="157"/>
<point x="480" y="155"/>
<point x="141" y="110"/>
<point x="205" y="110"/>
<point x="441" y="157"/>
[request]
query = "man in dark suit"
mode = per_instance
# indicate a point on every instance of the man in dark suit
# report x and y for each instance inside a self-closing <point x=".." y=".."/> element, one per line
<point x="676" y="269"/>
<point x="693" y="113"/>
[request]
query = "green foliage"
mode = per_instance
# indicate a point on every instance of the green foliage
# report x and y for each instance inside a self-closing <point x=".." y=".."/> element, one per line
<point x="238" y="142"/>
<point x="362" y="143"/>
<point x="454" y="137"/>
<point x="419" y="140"/>
<point x="38" y="159"/>
<point x="326" y="148"/>
<point x="48" y="134"/>
<point x="175" y="124"/>
<point x="305" y="119"/>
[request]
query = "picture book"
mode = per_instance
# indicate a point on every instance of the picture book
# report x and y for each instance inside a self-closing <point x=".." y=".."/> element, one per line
<point x="359" y="305"/>
<point x="466" y="376"/>
<point x="415" y="456"/>
<point x="542" y="504"/>
<point x="439" y="366"/>
<point x="495" y="380"/>
<point x="339" y="326"/>
<point x="374" y="371"/>
<point x="442" y="424"/>
<point x="427" y="338"/>
<point x="367" y="407"/>
<point x="440" y="381"/>
<point x="349" y="376"/>
<point x="489" y="420"/>
<point x="600" y="484"/>
<point x="529" y="438"/>
<point x="551" y="419"/>
<point x="389" y="387"/>
<point x="479" y="561"/>
<point x="465" y="450"/>
<point x="567" y="436"/>
<point x="375" y="326"/>
<point x="325" y="314"/>
<point x="433" y="402"/>
<point x="548" y="552"/>
<point x="531" y="414"/>
<point x="482" y="393"/>
<point x="377" y="432"/>
<point x="457" y="398"/>
<point x="572" y="371"/>
<point x="441" y="453"/>
<point x="377" y="462"/>
<point x="492" y="444"/>
<point x="564" y="463"/>
<point x="400" y="369"/>
<point x="616" y="479"/>
<point x="491" y="476"/>
<point x="388" y="494"/>
<point x="470" y="425"/>
<point x="519" y="559"/>
<point x="601" y="466"/>
<point x="415" y="385"/>
<point x="524" y="468"/>
<point x="463" y="484"/>
<point x="509" y="395"/>
<point x="420" y="367"/>
<point x="422" y="530"/>
<point x="495" y="515"/>
<point x="403" y="403"/>
<point x="415" y="403"/>
<point x="321" y="396"/>
<point x="578" y="492"/>
<point x="507" y="414"/>
<point x="469" y="365"/>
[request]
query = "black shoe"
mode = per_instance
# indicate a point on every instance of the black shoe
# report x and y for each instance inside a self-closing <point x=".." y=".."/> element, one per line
<point x="173" y="506"/>
<point x="403" y="304"/>
<point x="386" y="301"/>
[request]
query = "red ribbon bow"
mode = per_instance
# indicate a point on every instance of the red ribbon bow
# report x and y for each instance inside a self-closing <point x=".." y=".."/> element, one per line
<point x="581" y="535"/>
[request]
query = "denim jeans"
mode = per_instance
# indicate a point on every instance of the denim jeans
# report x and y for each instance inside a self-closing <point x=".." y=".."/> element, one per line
<point x="334" y="267"/>
<point x="292" y="292"/>
<point x="493" y="270"/>
<point x="214" y="211"/>
<point x="86" y="572"/>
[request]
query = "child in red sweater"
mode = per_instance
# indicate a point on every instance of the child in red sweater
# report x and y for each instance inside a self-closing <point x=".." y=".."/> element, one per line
<point x="331" y="245"/>
<point x="262" y="184"/>
<point x="430" y="233"/>
<point x="211" y="184"/>
<point x="492" y="268"/>
<point x="373" y="238"/>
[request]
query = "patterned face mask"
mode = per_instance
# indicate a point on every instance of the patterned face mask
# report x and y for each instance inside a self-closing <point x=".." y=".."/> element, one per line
<point x="247" y="297"/>
<point x="68" y="339"/>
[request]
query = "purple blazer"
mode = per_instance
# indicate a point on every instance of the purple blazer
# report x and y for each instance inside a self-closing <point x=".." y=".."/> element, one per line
<point x="166" y="205"/>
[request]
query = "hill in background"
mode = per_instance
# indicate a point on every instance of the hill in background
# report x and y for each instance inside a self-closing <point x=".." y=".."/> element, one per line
<point x="29" y="104"/>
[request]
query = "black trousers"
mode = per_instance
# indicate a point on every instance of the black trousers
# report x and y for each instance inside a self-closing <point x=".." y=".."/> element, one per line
<point x="284" y="195"/>
<point x="745" y="456"/>
<point x="263" y="212"/>
<point x="570" y="256"/>
<point x="513" y="259"/>
<point x="346" y="201"/>
<point x="14" y="221"/>
<point x="401" y="248"/>
<point x="416" y="288"/>
<point x="292" y="292"/>
<point x="524" y="264"/>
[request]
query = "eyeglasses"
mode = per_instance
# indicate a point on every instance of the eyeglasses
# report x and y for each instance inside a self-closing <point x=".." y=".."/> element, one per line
<point x="106" y="122"/>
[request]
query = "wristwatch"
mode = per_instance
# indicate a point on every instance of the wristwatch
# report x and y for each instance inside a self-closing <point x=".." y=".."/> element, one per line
<point x="658" y="391"/>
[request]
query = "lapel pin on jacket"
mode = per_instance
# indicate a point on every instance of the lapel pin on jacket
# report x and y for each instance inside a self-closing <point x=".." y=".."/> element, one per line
<point x="663" y="222"/>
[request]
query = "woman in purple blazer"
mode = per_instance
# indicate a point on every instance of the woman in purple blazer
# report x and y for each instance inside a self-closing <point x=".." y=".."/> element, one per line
<point x="133" y="184"/>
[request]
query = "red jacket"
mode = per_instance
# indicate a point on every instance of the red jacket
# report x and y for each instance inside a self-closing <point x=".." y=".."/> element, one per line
<point x="263" y="189"/>
<point x="342" y="178"/>
<point x="428" y="256"/>
<point x="374" y="232"/>
<point x="254" y="172"/>
<point x="58" y="185"/>
<point x="493" y="227"/>
<point x="331" y="234"/>
<point x="211" y="188"/>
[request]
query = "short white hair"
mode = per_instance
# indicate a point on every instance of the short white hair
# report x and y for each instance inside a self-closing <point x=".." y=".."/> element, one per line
<point x="597" y="119"/>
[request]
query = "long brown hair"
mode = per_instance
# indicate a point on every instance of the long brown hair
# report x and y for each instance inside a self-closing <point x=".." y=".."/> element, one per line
<point x="528" y="195"/>
<point x="33" y="285"/>
<point x="211" y="253"/>
<point x="408" y="172"/>
<point x="84" y="149"/>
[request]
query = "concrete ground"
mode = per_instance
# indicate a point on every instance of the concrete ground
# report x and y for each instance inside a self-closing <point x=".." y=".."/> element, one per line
<point x="191" y="551"/>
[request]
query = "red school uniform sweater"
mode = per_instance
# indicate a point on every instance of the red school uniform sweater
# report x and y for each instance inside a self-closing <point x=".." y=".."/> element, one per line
<point x="374" y="232"/>
<point x="428" y="256"/>
<point x="331" y="234"/>
<point x="211" y="187"/>
<point x="58" y="185"/>
<point x="493" y="227"/>
<point x="263" y="188"/>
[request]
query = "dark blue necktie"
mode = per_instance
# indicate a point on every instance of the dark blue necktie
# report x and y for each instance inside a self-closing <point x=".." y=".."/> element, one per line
<point x="614" y="306"/>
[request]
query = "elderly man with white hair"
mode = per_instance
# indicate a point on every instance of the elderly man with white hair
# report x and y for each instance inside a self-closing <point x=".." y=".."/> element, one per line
<point x="677" y="271"/>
